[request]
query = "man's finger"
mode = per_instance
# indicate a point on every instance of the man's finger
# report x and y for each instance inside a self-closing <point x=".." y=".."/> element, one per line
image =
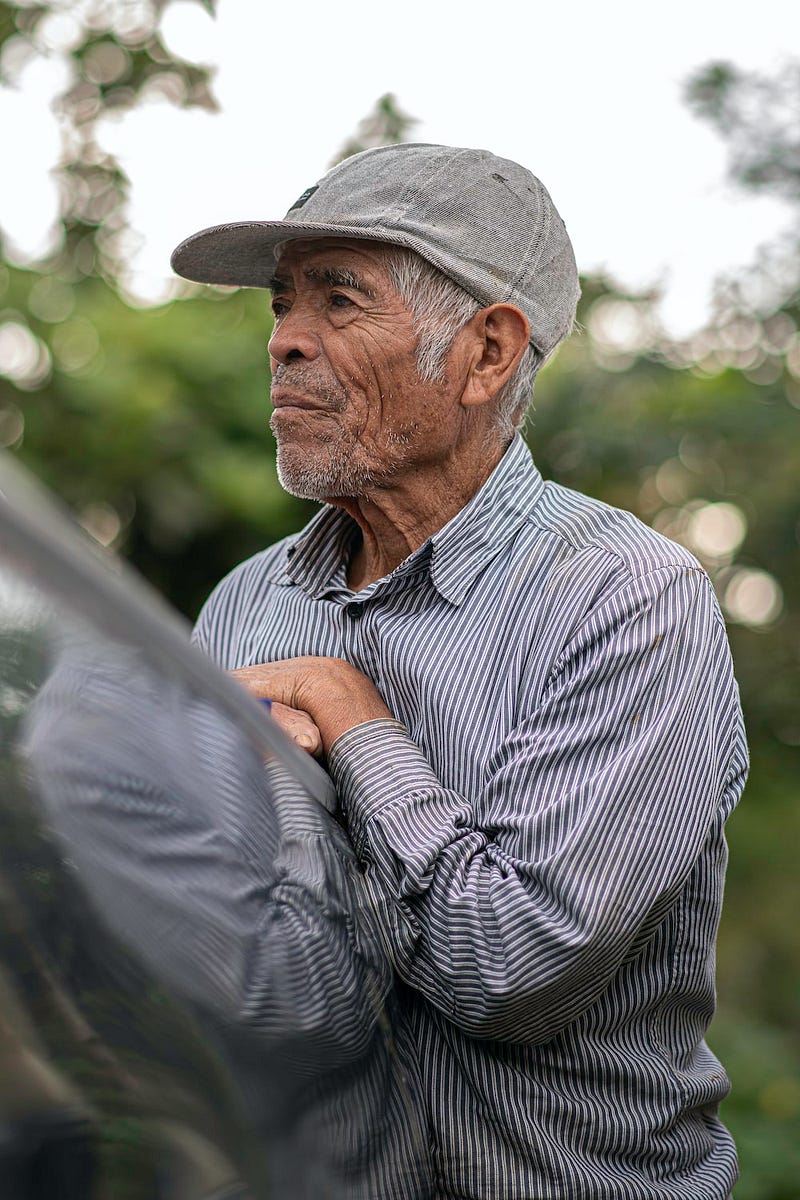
<point x="299" y="726"/>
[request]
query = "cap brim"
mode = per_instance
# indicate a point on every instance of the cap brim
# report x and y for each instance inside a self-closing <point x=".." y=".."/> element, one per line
<point x="242" y="254"/>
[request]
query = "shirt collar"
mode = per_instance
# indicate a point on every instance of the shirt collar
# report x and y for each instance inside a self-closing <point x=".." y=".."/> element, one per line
<point x="479" y="532"/>
<point x="317" y="558"/>
<point x="454" y="555"/>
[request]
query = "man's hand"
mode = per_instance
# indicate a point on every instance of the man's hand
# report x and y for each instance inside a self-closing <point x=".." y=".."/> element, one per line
<point x="327" y="693"/>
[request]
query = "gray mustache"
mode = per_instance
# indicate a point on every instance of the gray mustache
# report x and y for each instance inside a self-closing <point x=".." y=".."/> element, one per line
<point x="305" y="377"/>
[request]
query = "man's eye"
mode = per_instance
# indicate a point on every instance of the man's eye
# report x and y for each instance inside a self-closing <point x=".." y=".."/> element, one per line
<point x="339" y="300"/>
<point x="279" y="309"/>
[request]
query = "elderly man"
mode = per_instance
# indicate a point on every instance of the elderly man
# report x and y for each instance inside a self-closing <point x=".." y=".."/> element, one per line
<point x="524" y="697"/>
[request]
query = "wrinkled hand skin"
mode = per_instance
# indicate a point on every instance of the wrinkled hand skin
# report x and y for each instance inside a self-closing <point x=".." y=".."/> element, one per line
<point x="328" y="696"/>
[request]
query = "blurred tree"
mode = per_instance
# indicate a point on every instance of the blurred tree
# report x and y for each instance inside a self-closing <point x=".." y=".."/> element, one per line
<point x="755" y="333"/>
<point x="757" y="115"/>
<point x="386" y="125"/>
<point x="90" y="392"/>
<point x="115" y="57"/>
<point x="150" y="422"/>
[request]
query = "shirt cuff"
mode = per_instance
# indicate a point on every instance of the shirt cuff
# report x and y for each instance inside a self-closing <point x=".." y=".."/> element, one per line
<point x="374" y="765"/>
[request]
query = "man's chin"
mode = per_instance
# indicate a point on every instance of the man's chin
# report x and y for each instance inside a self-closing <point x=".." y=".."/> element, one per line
<point x="299" y="483"/>
<point x="300" y="475"/>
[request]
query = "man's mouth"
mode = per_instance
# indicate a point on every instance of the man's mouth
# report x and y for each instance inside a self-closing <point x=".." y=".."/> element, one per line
<point x="302" y="386"/>
<point x="282" y="398"/>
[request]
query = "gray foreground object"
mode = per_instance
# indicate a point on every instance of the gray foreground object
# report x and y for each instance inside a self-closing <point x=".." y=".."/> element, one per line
<point x="243" y="897"/>
<point x="179" y="865"/>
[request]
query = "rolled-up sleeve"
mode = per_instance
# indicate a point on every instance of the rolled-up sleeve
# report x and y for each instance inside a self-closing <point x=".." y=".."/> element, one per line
<point x="510" y="910"/>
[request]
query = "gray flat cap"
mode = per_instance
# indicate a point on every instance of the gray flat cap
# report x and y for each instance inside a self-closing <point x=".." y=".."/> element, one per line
<point x="485" y="222"/>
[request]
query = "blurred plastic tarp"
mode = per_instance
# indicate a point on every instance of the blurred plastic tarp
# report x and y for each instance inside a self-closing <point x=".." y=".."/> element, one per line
<point x="194" y="998"/>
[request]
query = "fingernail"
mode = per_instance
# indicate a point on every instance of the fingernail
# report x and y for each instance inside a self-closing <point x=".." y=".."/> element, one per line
<point x="305" y="740"/>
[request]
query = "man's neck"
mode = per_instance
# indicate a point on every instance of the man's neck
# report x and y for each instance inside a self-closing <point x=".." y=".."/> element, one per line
<point x="395" y="521"/>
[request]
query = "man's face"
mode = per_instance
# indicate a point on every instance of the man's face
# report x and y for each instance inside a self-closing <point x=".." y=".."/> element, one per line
<point x="351" y="414"/>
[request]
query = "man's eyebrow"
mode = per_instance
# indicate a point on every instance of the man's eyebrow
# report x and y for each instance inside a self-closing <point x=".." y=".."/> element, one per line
<point x="338" y="277"/>
<point x="332" y="276"/>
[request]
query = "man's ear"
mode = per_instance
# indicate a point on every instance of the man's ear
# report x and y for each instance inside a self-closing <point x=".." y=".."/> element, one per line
<point x="499" y="337"/>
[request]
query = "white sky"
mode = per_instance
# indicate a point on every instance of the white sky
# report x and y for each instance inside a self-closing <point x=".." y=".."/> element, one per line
<point x="586" y="94"/>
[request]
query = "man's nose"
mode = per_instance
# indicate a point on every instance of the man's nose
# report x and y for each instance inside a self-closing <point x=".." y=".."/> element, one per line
<point x="294" y="338"/>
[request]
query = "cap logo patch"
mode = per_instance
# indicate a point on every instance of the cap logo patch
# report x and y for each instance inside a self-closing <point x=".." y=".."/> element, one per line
<point x="307" y="194"/>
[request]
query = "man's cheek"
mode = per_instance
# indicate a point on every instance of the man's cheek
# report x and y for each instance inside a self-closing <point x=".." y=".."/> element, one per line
<point x="364" y="400"/>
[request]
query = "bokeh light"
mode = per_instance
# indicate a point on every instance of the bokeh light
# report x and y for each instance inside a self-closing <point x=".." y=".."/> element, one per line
<point x="23" y="358"/>
<point x="105" y="63"/>
<point x="793" y="356"/>
<point x="75" y="344"/>
<point x="752" y="597"/>
<point x="59" y="31"/>
<point x="673" y="481"/>
<point x="51" y="299"/>
<point x="188" y="31"/>
<point x="102" y="522"/>
<point x="716" y="531"/>
<point x="620" y="329"/>
<point x="133" y="20"/>
<point x="12" y="425"/>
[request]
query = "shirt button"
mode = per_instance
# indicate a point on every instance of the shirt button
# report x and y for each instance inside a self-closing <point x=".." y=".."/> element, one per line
<point x="354" y="610"/>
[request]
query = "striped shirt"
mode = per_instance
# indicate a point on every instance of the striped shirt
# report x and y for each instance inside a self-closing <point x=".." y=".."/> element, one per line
<point x="541" y="828"/>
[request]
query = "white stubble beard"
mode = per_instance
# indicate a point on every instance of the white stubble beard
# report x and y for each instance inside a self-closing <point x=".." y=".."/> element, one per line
<point x="325" y="469"/>
<point x="332" y="472"/>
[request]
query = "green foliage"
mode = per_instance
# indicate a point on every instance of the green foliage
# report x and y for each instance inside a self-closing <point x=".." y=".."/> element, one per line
<point x="762" y="1111"/>
<point x="757" y="116"/>
<point x="386" y="125"/>
<point x="117" y="57"/>
<point x="153" y="426"/>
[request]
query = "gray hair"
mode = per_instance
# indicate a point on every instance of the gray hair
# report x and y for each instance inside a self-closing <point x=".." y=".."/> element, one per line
<point x="441" y="308"/>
